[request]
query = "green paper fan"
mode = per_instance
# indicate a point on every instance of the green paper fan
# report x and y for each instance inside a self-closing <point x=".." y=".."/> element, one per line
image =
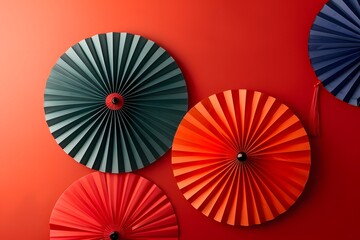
<point x="114" y="101"/>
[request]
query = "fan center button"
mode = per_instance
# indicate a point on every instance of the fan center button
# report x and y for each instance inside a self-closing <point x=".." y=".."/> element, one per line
<point x="114" y="101"/>
<point x="114" y="236"/>
<point x="241" y="156"/>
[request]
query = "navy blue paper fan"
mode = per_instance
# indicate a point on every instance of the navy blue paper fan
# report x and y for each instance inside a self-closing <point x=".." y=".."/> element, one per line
<point x="334" y="49"/>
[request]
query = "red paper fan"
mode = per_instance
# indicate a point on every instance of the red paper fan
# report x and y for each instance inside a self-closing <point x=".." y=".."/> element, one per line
<point x="241" y="157"/>
<point x="109" y="206"/>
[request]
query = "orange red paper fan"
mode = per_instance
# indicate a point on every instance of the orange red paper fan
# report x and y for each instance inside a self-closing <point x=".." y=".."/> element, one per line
<point x="241" y="157"/>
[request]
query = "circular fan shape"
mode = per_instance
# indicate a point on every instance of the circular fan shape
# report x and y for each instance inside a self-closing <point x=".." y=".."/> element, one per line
<point x="113" y="206"/>
<point x="334" y="49"/>
<point x="241" y="157"/>
<point x="114" y="101"/>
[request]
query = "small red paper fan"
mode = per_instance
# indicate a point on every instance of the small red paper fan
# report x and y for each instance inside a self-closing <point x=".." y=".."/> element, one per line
<point x="109" y="206"/>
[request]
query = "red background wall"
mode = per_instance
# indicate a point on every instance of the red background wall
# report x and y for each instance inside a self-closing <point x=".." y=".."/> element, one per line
<point x="259" y="45"/>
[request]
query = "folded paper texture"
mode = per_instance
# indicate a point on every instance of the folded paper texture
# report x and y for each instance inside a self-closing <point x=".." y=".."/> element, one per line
<point x="334" y="49"/>
<point x="113" y="102"/>
<point x="113" y="206"/>
<point x="241" y="157"/>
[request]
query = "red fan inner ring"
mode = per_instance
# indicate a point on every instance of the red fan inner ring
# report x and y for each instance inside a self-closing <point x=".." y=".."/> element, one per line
<point x="114" y="101"/>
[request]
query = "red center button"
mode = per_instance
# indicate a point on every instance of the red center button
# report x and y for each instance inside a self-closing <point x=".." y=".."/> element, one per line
<point x="114" y="101"/>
